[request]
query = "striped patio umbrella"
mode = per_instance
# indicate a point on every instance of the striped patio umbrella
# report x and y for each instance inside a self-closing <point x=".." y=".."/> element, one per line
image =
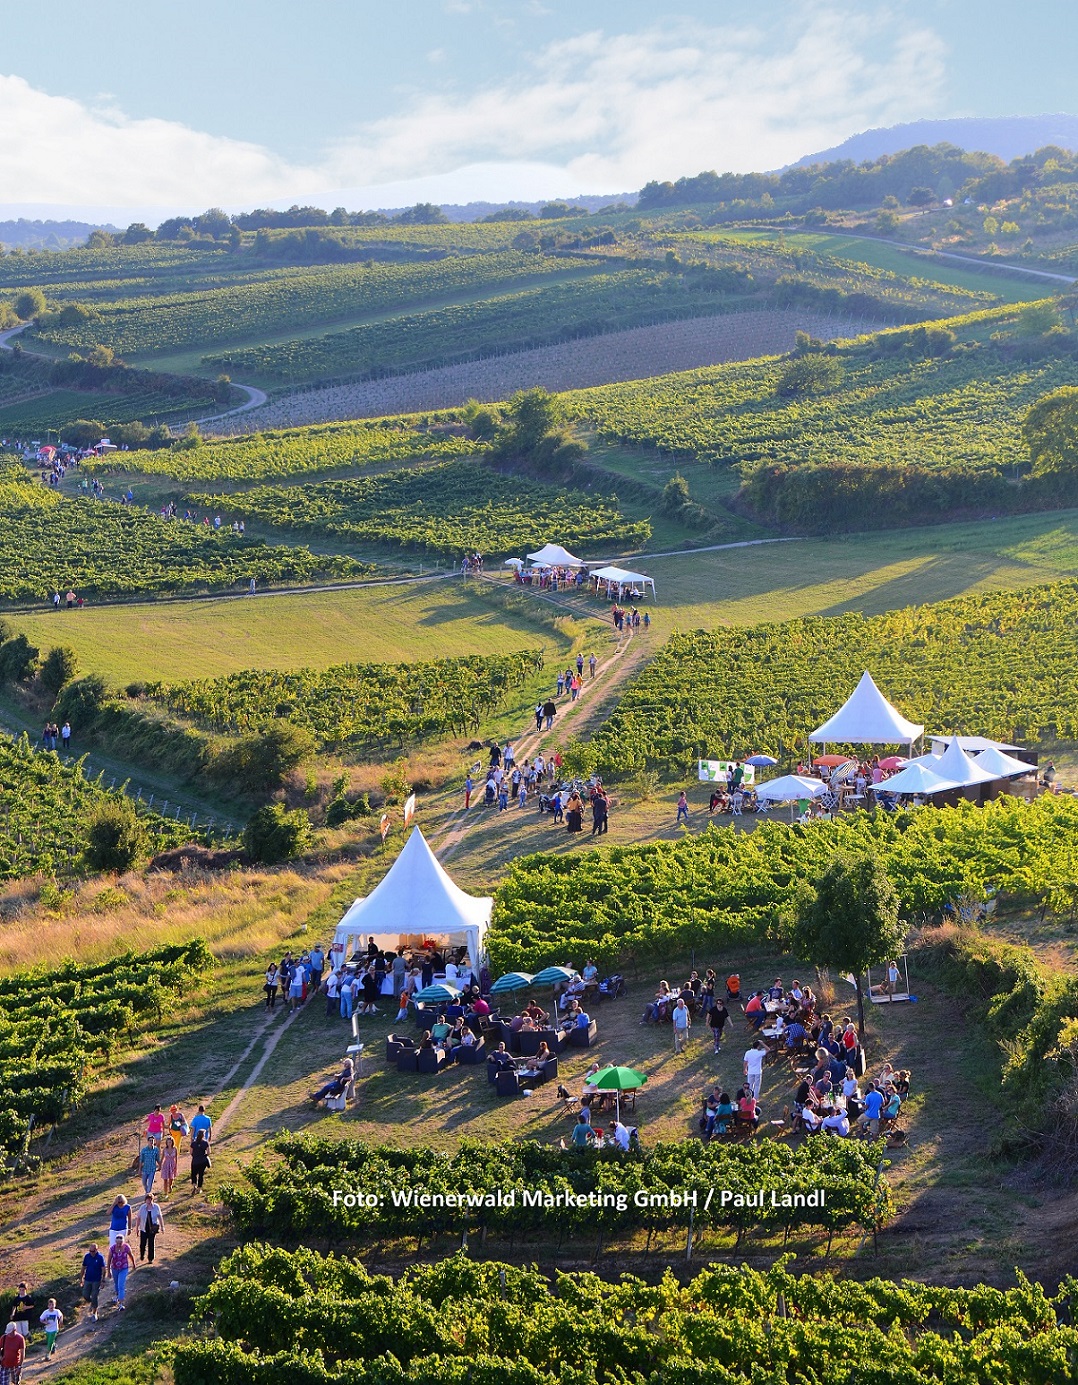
<point x="511" y="981"/>
<point x="438" y="994"/>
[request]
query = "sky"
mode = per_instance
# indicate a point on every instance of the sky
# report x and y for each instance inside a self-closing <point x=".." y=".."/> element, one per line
<point x="140" y="108"/>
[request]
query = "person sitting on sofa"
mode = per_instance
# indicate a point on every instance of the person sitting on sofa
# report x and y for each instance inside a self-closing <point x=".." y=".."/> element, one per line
<point x="501" y="1057"/>
<point x="426" y="1041"/>
<point x="440" y="1030"/>
<point x="466" y="1040"/>
<point x="572" y="1014"/>
<point x="537" y="1015"/>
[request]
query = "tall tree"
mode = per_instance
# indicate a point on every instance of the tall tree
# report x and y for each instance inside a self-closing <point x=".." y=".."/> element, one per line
<point x="850" y="921"/>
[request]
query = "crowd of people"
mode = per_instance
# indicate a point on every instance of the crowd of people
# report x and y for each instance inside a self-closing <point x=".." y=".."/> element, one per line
<point x="140" y="1223"/>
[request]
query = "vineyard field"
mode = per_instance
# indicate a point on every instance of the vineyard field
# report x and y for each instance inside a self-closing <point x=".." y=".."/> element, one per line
<point x="724" y="887"/>
<point x="290" y="452"/>
<point x="294" y="1198"/>
<point x="47" y="412"/>
<point x="635" y="354"/>
<point x="43" y="802"/>
<point x="445" y="509"/>
<point x="961" y="410"/>
<point x="104" y="549"/>
<point x="281" y="302"/>
<point x="356" y="705"/>
<point x="61" y="1022"/>
<point x="1001" y="664"/>
<point x="314" y="1319"/>
<point x="529" y="318"/>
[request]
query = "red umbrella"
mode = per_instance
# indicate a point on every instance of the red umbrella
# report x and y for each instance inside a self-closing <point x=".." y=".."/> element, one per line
<point x="831" y="761"/>
<point x="892" y="762"/>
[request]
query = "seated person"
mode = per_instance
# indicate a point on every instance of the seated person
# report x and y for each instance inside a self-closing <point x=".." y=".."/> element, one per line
<point x="480" y="1007"/>
<point x="501" y="1057"/>
<point x="827" y="1026"/>
<point x="691" y="989"/>
<point x="775" y="991"/>
<point x="811" y="1119"/>
<point x="427" y="1041"/>
<point x="620" y="1135"/>
<point x="837" y="1123"/>
<point x="754" y="1010"/>
<point x="454" y="1010"/>
<point x="796" y="1034"/>
<point x="572" y="992"/>
<point x="441" y="1029"/>
<point x="796" y="993"/>
<point x="652" y="1012"/>
<point x="527" y="1025"/>
<point x="581" y="1020"/>
<point x="336" y="1086"/>
<point x="467" y="1039"/>
<point x="724" y="1115"/>
<point x="590" y="973"/>
<point x="748" y="1112"/>
<point x="892" y="1106"/>
<point x="534" y="1065"/>
<point x="569" y="1022"/>
<point x="870" y="1118"/>
<point x="535" y="1014"/>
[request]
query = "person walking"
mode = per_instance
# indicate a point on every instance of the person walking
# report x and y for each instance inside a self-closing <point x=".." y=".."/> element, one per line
<point x="65" y="737"/>
<point x="119" y="1220"/>
<point x="754" y="1068"/>
<point x="550" y="711"/>
<point x="118" y="1266"/>
<point x="591" y="665"/>
<point x="200" y="1159"/>
<point x="469" y="785"/>
<point x="52" y="1320"/>
<point x="151" y="1222"/>
<point x="93" y="1273"/>
<point x="333" y="981"/>
<point x="683" y="808"/>
<point x="169" y="1159"/>
<point x="12" y="1355"/>
<point x="600" y="813"/>
<point x="580" y="666"/>
<point x="202" y="1124"/>
<point x="682" y="1020"/>
<point x="717" y="1017"/>
<point x="295" y="990"/>
<point x="348" y="996"/>
<point x="177" y="1125"/>
<point x="272" y="983"/>
<point x="148" y="1162"/>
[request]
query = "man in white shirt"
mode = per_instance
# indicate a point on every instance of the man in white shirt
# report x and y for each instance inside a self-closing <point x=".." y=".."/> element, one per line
<point x="754" y="1069"/>
<point x="621" y="1136"/>
<point x="451" y="973"/>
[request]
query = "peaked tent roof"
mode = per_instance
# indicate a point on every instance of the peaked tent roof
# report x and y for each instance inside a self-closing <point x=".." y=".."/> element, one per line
<point x="956" y="765"/>
<point x="1002" y="765"/>
<point x="553" y="555"/>
<point x="618" y="574"/>
<point x="973" y="745"/>
<point x="915" y="778"/>
<point x="867" y="718"/>
<point x="416" y="895"/>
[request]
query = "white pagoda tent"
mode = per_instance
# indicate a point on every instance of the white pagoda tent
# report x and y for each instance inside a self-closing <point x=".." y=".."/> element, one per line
<point x="621" y="578"/>
<point x="867" y="718"/>
<point x="789" y="788"/>
<point x="553" y="555"/>
<point x="1002" y="765"/>
<point x="915" y="778"/>
<point x="414" y="901"/>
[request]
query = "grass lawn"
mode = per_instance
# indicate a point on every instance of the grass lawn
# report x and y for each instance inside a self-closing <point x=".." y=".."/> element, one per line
<point x="202" y="639"/>
<point x="862" y="572"/>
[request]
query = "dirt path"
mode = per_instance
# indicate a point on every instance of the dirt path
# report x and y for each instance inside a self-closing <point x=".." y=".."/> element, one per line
<point x="255" y="399"/>
<point x="574" y="717"/>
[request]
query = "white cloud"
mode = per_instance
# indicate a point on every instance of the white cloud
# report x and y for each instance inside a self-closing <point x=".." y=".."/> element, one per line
<point x="617" y="110"/>
<point x="601" y="112"/>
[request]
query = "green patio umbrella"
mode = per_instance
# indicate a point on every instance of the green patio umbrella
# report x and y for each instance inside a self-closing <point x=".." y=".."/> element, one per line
<point x="511" y="981"/>
<point x="618" y="1080"/>
<point x="553" y="977"/>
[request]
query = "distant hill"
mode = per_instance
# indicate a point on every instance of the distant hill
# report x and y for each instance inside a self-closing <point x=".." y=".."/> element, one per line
<point x="1008" y="136"/>
<point x="46" y="235"/>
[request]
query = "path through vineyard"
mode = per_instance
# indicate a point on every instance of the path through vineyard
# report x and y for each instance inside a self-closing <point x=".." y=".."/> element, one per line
<point x="590" y="709"/>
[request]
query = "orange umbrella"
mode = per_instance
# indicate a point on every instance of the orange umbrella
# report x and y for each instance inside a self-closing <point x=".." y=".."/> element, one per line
<point x="831" y="761"/>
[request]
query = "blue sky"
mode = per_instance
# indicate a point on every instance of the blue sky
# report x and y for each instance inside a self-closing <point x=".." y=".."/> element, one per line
<point x="152" y="106"/>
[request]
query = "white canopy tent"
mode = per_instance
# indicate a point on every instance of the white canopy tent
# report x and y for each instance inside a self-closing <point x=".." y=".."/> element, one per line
<point x="955" y="764"/>
<point x="915" y="778"/>
<point x="972" y="745"/>
<point x="1001" y="765"/>
<point x="621" y="578"/>
<point x="790" y="787"/>
<point x="867" y="718"/>
<point x="415" y="900"/>
<point x="553" y="555"/>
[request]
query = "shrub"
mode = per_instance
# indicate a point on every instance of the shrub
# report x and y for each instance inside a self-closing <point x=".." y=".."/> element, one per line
<point x="261" y="763"/>
<point x="275" y="833"/>
<point x="115" y="838"/>
<point x="59" y="668"/>
<point x="18" y="658"/>
<point x="80" y="702"/>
